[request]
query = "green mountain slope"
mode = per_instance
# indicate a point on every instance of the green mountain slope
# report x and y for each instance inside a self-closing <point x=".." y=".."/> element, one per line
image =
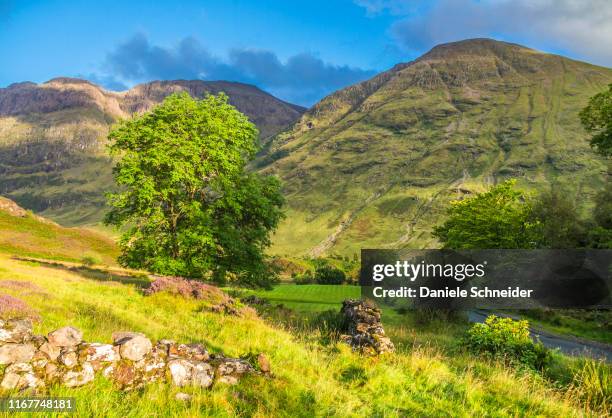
<point x="52" y="137"/>
<point x="25" y="234"/>
<point x="375" y="164"/>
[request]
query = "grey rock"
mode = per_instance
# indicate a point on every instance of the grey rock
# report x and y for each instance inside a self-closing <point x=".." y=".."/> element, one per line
<point x="76" y="377"/>
<point x="229" y="370"/>
<point x="189" y="372"/>
<point x="180" y="372"/>
<point x="16" y="353"/>
<point x="100" y="353"/>
<point x="120" y="336"/>
<point x="135" y="348"/>
<point x="20" y="376"/>
<point x="15" y="331"/>
<point x="69" y="359"/>
<point x="65" y="337"/>
<point x="202" y="374"/>
<point x="51" y="351"/>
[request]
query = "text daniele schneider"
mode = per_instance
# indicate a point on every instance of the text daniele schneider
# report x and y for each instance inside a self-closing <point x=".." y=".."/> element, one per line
<point x="411" y="273"/>
<point x="487" y="279"/>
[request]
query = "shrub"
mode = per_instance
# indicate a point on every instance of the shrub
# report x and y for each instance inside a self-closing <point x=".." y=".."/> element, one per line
<point x="304" y="278"/>
<point x="89" y="260"/>
<point x="327" y="274"/>
<point x="509" y="340"/>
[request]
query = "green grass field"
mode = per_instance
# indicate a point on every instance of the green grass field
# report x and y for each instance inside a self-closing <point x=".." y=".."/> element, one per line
<point x="314" y="373"/>
<point x="310" y="297"/>
<point x="313" y="376"/>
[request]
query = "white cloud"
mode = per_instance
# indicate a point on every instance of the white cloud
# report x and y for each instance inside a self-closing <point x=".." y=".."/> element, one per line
<point x="582" y="28"/>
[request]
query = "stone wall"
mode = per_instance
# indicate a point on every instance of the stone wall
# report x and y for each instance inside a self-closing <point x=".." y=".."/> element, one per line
<point x="365" y="331"/>
<point x="35" y="361"/>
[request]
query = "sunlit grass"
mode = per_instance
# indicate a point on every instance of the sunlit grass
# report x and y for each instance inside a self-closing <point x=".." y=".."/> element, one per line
<point x="311" y="378"/>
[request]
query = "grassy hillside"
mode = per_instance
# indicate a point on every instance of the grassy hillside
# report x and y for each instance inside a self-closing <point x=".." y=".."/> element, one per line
<point x="313" y="376"/>
<point x="26" y="235"/>
<point x="53" y="135"/>
<point x="314" y="373"/>
<point x="375" y="164"/>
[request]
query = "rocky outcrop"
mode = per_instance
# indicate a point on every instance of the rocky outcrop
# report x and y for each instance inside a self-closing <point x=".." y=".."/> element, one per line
<point x="133" y="360"/>
<point x="365" y="331"/>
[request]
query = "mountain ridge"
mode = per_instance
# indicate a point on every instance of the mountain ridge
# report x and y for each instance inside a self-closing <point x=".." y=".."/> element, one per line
<point x="53" y="135"/>
<point x="456" y="120"/>
<point x="61" y="93"/>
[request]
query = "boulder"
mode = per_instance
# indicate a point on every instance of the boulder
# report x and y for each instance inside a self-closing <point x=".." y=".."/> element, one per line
<point x="98" y="355"/>
<point x="20" y="376"/>
<point x="229" y="370"/>
<point x="120" y="336"/>
<point x="65" y="337"/>
<point x="263" y="363"/>
<point x="51" y="372"/>
<point x="124" y="374"/>
<point x="180" y="372"/>
<point x="51" y="351"/>
<point x="16" y="353"/>
<point x="15" y="331"/>
<point x="135" y="347"/>
<point x="155" y="363"/>
<point x="79" y="376"/>
<point x="202" y="374"/>
<point x="190" y="372"/>
<point x="69" y="359"/>
<point x="191" y="351"/>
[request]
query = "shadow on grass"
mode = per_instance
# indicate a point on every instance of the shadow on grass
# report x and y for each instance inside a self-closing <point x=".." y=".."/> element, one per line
<point x="139" y="280"/>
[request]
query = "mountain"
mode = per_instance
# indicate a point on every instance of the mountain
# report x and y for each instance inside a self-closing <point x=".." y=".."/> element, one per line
<point x="376" y="164"/>
<point x="52" y="137"/>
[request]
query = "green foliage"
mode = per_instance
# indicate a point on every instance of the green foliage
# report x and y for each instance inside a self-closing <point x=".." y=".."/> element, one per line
<point x="90" y="260"/>
<point x="597" y="120"/>
<point x="190" y="207"/>
<point x="328" y="274"/>
<point x="498" y="218"/>
<point x="306" y="277"/>
<point x="507" y="339"/>
<point x="593" y="383"/>
<point x="556" y="216"/>
<point x="600" y="233"/>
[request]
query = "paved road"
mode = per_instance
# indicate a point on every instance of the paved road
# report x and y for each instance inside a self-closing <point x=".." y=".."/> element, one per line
<point x="566" y="344"/>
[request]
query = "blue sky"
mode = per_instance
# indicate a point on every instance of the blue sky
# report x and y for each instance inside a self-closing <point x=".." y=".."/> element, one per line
<point x="299" y="51"/>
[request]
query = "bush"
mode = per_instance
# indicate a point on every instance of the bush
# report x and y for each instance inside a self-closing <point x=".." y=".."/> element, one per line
<point x="327" y="274"/>
<point x="509" y="340"/>
<point x="304" y="278"/>
<point x="89" y="260"/>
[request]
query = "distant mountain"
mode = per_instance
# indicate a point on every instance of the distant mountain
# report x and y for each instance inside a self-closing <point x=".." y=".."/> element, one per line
<point x="52" y="137"/>
<point x="376" y="164"/>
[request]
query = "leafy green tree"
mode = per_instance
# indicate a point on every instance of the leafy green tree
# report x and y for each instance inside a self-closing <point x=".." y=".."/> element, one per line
<point x="597" y="120"/>
<point x="600" y="232"/>
<point x="498" y="218"/>
<point x="188" y="204"/>
<point x="556" y="216"/>
<point x="328" y="274"/>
